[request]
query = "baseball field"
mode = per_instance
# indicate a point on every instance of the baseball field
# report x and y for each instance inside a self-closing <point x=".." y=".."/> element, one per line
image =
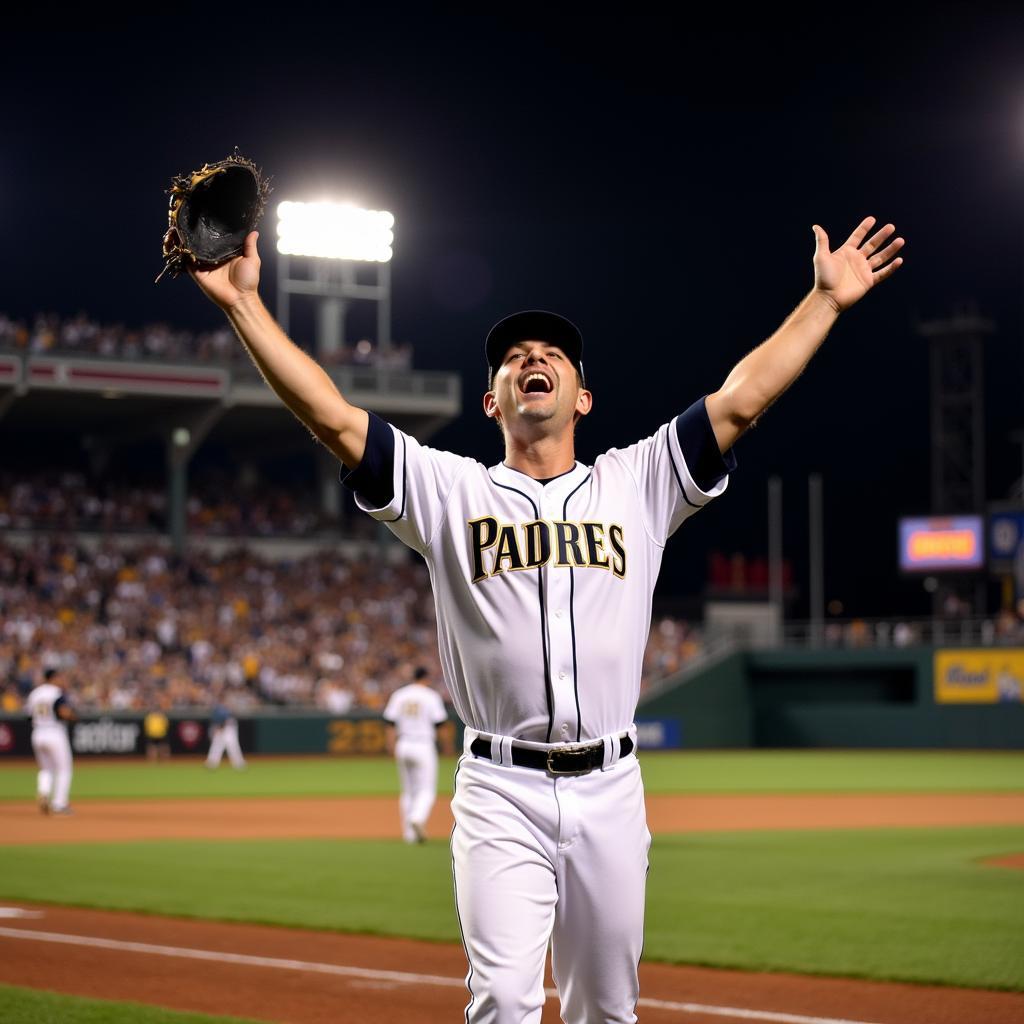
<point x="881" y="887"/>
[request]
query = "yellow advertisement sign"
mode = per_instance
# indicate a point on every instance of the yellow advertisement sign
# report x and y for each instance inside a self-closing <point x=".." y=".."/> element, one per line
<point x="979" y="675"/>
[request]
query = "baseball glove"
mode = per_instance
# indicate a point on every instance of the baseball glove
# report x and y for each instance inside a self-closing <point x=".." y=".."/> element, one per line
<point x="211" y="212"/>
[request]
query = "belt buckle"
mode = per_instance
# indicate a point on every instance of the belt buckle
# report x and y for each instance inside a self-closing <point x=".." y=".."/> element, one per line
<point x="575" y="751"/>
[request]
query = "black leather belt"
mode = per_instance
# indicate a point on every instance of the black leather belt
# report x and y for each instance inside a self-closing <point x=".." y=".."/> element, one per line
<point x="577" y="759"/>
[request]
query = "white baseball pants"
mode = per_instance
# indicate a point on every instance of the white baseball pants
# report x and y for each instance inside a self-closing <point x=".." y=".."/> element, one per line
<point x="539" y="858"/>
<point x="417" y="774"/>
<point x="53" y="755"/>
<point x="225" y="738"/>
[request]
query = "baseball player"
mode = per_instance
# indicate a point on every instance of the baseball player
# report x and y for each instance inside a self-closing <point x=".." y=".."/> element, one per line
<point x="414" y="712"/>
<point x="224" y="738"/>
<point x="49" y="709"/>
<point x="543" y="570"/>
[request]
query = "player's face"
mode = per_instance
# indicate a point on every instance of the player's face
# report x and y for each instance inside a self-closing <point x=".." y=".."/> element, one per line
<point x="536" y="386"/>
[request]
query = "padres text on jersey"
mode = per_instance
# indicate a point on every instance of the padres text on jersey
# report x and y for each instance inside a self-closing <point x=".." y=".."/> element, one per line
<point x="499" y="547"/>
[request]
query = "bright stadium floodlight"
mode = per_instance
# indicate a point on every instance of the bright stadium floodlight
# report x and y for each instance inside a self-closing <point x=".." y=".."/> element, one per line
<point x="337" y="231"/>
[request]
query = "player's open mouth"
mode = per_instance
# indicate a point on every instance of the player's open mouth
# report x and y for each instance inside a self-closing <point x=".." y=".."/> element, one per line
<point x="535" y="383"/>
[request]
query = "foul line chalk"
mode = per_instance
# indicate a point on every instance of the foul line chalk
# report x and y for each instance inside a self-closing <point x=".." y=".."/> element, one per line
<point x="367" y="974"/>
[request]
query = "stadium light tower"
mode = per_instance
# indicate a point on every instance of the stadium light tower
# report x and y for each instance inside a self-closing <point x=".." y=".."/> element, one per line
<point x="330" y="243"/>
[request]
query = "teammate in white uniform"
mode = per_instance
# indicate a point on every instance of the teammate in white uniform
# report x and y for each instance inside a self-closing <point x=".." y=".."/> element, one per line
<point x="414" y="713"/>
<point x="49" y="709"/>
<point x="543" y="570"/>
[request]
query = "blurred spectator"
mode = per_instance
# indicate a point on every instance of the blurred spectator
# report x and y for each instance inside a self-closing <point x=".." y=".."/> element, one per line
<point x="155" y="727"/>
<point x="1009" y="628"/>
<point x="334" y="698"/>
<point x="902" y="635"/>
<point x="49" y="334"/>
<point x="857" y="634"/>
<point x="671" y="644"/>
<point x="67" y="500"/>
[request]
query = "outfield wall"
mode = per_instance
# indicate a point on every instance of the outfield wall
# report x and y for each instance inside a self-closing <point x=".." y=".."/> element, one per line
<point x="874" y="697"/>
<point x="919" y="697"/>
<point x="282" y="732"/>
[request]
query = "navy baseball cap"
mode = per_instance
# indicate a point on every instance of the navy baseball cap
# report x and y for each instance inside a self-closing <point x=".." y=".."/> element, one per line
<point x="534" y="325"/>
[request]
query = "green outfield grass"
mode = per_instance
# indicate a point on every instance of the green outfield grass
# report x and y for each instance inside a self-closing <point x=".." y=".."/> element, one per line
<point x="188" y="778"/>
<point x="669" y="772"/>
<point x="904" y="904"/>
<point x="27" y="1006"/>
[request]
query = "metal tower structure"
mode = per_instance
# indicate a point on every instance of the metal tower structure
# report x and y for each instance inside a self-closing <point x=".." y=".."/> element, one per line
<point x="957" y="411"/>
<point x="956" y="386"/>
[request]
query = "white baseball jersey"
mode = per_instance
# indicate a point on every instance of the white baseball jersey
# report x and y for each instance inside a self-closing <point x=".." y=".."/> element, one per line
<point x="415" y="710"/>
<point x="42" y="704"/>
<point x="51" y="747"/>
<point x="543" y="590"/>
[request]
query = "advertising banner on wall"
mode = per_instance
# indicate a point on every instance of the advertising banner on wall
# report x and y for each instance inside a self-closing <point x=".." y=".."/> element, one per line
<point x="123" y="735"/>
<point x="981" y="675"/>
<point x="659" y="734"/>
<point x="118" y="735"/>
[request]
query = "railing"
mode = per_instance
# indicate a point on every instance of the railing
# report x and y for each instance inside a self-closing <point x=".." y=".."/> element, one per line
<point x="430" y="383"/>
<point x="905" y="632"/>
<point x="349" y="377"/>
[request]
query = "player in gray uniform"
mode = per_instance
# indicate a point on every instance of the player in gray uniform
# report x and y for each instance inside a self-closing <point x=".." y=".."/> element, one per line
<point x="224" y="737"/>
<point x="543" y="570"/>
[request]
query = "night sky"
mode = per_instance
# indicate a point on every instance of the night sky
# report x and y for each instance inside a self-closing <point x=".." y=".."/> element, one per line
<point x="655" y="181"/>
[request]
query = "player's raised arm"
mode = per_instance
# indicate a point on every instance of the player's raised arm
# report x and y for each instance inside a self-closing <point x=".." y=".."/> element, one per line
<point x="841" y="278"/>
<point x="298" y="380"/>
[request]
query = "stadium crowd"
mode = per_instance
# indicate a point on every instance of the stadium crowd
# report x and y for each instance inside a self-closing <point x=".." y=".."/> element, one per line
<point x="69" y="500"/>
<point x="51" y="334"/>
<point x="138" y="629"/>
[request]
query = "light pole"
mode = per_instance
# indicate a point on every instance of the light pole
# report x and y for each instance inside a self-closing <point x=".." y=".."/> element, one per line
<point x="322" y="248"/>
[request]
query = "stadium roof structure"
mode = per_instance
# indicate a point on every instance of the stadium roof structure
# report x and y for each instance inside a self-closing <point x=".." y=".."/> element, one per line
<point x="132" y="398"/>
<point x="59" y="402"/>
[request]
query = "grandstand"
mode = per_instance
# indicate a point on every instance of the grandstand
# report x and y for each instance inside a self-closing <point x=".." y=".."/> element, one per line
<point x="155" y="401"/>
<point x="176" y="547"/>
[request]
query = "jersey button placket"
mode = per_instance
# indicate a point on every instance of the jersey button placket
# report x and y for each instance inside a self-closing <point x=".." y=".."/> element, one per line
<point x="560" y="633"/>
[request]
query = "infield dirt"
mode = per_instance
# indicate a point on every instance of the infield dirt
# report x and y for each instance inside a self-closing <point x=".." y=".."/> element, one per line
<point x="377" y="818"/>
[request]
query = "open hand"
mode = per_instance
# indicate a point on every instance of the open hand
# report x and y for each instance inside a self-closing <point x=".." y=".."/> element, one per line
<point x="849" y="273"/>
<point x="233" y="281"/>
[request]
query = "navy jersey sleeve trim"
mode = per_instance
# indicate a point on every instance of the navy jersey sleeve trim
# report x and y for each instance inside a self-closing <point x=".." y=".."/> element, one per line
<point x="374" y="478"/>
<point x="697" y="441"/>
